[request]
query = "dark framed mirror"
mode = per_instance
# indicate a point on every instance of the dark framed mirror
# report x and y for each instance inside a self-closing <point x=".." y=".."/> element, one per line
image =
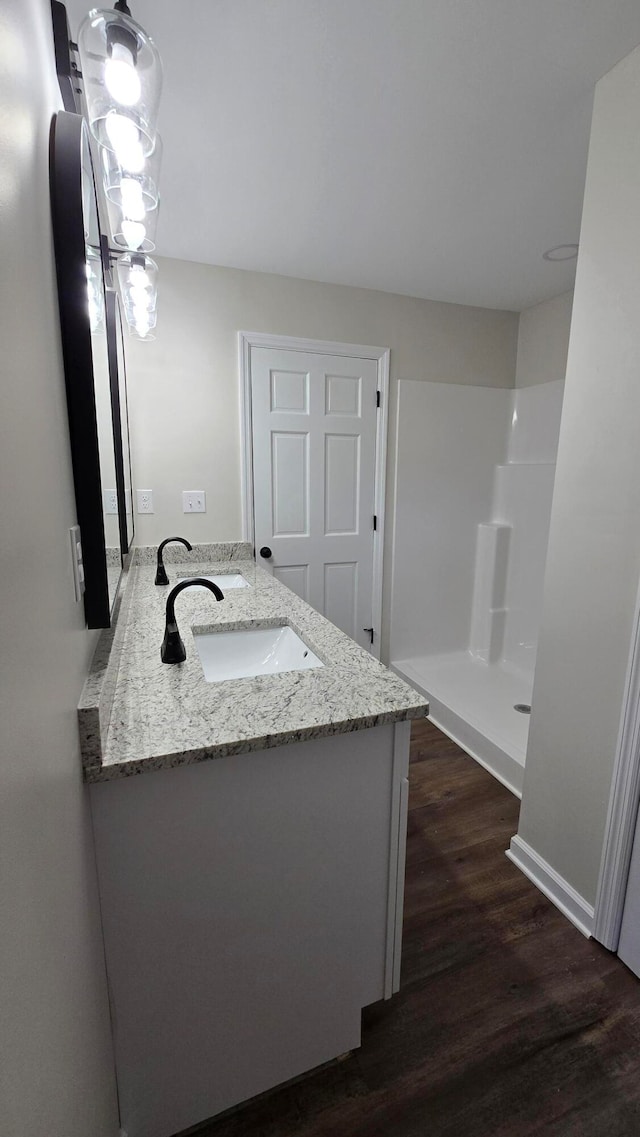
<point x="96" y="449"/>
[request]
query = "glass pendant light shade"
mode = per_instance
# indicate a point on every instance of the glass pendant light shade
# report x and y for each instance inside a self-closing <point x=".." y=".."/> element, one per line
<point x="138" y="281"/>
<point x="131" y="226"/>
<point x="136" y="272"/>
<point x="137" y="306"/>
<point x="123" y="185"/>
<point x="122" y="77"/>
<point x="142" y="329"/>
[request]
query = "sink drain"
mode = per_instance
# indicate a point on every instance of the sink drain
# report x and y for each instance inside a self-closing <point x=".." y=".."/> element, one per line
<point x="523" y="708"/>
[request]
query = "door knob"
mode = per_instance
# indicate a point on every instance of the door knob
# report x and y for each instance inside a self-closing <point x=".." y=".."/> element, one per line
<point x="265" y="552"/>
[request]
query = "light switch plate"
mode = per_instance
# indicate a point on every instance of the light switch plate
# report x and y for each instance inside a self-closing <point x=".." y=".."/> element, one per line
<point x="144" y="499"/>
<point x="194" y="501"/>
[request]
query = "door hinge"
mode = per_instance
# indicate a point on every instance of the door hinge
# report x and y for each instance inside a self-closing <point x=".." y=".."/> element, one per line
<point x="375" y="522"/>
<point x="377" y="398"/>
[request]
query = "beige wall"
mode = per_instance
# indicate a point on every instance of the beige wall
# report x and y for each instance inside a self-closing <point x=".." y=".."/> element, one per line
<point x="593" y="562"/>
<point x="56" y="1067"/>
<point x="184" y="393"/>
<point x="543" y="341"/>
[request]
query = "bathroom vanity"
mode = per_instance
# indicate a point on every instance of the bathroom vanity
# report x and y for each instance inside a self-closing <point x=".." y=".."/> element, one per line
<point x="250" y="836"/>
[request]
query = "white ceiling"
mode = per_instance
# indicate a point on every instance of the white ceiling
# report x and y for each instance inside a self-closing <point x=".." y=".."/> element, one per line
<point x="430" y="147"/>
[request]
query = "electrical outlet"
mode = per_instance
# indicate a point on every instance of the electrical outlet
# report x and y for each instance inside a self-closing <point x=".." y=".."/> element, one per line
<point x="145" y="501"/>
<point x="194" y="501"/>
<point x="109" y="501"/>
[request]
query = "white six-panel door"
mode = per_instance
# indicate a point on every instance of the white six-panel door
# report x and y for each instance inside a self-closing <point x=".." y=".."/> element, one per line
<point x="314" y="421"/>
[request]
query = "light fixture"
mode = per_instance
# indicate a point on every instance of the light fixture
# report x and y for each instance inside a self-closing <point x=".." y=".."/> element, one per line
<point x="122" y="80"/>
<point x="130" y="232"/>
<point x="125" y="166"/>
<point x="132" y="199"/>
<point x="123" y="139"/>
<point x="122" y="77"/>
<point x="137" y="277"/>
<point x="136" y="272"/>
<point x="561" y="253"/>
<point x="139" y="310"/>
<point x="143" y="327"/>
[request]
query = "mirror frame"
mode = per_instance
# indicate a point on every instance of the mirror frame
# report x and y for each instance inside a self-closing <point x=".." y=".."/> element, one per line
<point x="68" y="136"/>
<point x="65" y="69"/>
<point x="120" y="415"/>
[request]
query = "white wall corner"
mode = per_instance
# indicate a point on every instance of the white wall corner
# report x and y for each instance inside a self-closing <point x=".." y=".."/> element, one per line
<point x="622" y="814"/>
<point x="555" y="887"/>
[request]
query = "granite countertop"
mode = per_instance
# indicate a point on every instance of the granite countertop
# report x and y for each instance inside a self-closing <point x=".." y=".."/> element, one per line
<point x="139" y="714"/>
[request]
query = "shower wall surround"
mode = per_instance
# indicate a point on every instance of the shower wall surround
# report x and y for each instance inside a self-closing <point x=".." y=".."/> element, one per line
<point x="511" y="548"/>
<point x="449" y="439"/>
<point x="474" y="482"/>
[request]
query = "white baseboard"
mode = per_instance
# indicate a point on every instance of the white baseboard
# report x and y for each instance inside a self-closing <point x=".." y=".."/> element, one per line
<point x="555" y="887"/>
<point x="505" y="769"/>
<point x="487" y="753"/>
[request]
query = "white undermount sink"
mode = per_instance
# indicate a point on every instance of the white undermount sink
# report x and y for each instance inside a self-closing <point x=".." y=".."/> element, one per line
<point x="252" y="651"/>
<point x="223" y="580"/>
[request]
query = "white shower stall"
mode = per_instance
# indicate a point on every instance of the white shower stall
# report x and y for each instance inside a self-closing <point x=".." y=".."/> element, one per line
<point x="474" y="482"/>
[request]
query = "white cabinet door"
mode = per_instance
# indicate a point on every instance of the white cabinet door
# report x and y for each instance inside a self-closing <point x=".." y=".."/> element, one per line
<point x="314" y="423"/>
<point x="251" y="908"/>
<point x="629" y="946"/>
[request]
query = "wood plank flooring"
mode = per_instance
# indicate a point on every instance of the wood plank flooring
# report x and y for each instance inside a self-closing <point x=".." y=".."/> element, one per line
<point x="508" y="1022"/>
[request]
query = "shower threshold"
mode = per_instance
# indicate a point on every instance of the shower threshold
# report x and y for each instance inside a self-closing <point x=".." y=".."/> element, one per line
<point x="474" y="703"/>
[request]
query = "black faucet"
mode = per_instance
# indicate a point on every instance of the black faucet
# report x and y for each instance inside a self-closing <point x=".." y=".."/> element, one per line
<point x="173" y="650"/>
<point x="161" y="572"/>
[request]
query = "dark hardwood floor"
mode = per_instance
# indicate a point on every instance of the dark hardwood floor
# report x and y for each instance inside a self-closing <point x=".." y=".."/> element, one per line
<point x="508" y="1022"/>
